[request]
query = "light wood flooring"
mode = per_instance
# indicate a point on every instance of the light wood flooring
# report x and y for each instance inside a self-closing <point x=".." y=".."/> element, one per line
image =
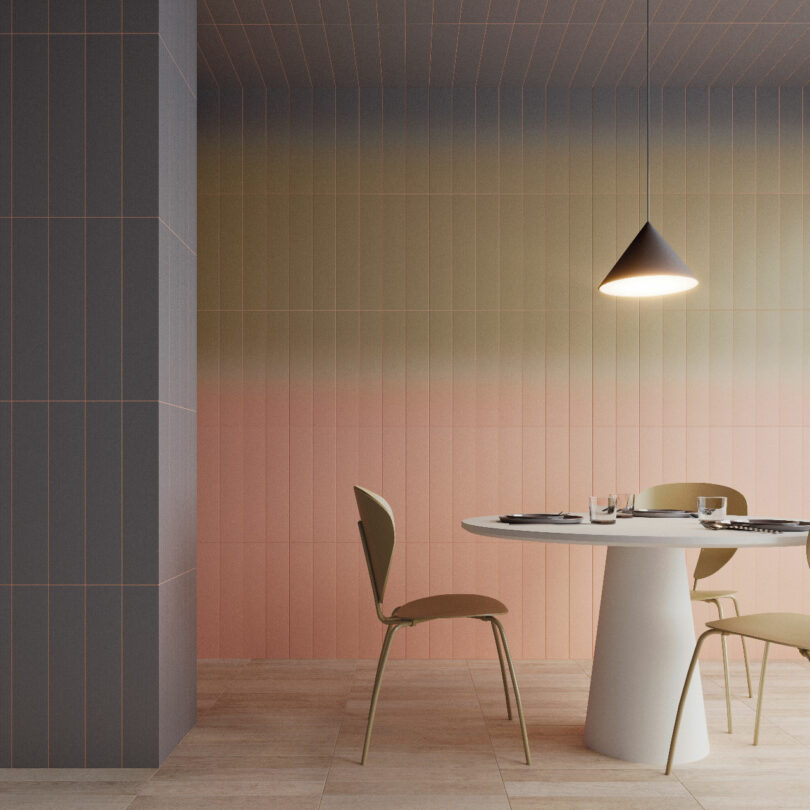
<point x="287" y="735"/>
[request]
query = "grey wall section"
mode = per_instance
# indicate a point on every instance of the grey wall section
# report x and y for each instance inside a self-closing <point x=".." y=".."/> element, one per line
<point x="97" y="381"/>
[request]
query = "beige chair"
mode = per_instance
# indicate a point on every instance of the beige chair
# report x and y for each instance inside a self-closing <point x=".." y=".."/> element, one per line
<point x="788" y="629"/>
<point x="710" y="560"/>
<point x="378" y="535"/>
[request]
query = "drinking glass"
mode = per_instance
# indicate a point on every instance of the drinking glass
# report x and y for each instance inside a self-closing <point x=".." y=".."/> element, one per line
<point x="602" y="508"/>
<point x="712" y="507"/>
<point x="625" y="504"/>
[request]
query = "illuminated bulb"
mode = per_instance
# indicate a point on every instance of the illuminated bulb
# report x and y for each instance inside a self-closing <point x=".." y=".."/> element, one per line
<point x="645" y="286"/>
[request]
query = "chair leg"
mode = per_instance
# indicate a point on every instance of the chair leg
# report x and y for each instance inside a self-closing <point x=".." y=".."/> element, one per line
<point x="503" y="669"/>
<point x="745" y="650"/>
<point x="682" y="702"/>
<point x="386" y="648"/>
<point x="724" y="645"/>
<point x="518" y="701"/>
<point x="761" y="690"/>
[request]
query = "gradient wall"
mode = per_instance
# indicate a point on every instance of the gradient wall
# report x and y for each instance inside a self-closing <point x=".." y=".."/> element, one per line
<point x="97" y="381"/>
<point x="398" y="290"/>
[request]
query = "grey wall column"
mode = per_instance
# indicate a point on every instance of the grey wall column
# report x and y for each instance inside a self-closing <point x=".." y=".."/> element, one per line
<point x="97" y="381"/>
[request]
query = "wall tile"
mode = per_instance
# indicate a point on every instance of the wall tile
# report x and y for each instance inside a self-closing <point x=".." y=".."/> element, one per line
<point x="66" y="494"/>
<point x="66" y="282"/>
<point x="30" y="674"/>
<point x="67" y="122"/>
<point x="139" y="676"/>
<point x="103" y="492"/>
<point x="5" y="676"/>
<point x="30" y="309"/>
<point x="103" y="308"/>
<point x="103" y="680"/>
<point x="103" y="134"/>
<point x="30" y="493"/>
<point x="66" y="667"/>
<point x="30" y="132"/>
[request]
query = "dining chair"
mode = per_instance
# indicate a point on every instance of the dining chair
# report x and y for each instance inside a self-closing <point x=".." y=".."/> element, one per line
<point x="710" y="560"/>
<point x="787" y="629"/>
<point x="378" y="535"/>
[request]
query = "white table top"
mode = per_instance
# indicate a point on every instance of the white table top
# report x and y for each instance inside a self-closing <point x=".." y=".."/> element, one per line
<point x="629" y="532"/>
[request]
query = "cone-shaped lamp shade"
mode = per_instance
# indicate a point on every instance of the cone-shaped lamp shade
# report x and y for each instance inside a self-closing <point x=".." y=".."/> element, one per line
<point x="649" y="266"/>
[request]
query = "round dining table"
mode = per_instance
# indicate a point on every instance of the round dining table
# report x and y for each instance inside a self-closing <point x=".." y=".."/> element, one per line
<point x="645" y="636"/>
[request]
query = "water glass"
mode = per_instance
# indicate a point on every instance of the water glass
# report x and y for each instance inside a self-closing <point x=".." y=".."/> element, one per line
<point x="602" y="508"/>
<point x="625" y="503"/>
<point x="712" y="507"/>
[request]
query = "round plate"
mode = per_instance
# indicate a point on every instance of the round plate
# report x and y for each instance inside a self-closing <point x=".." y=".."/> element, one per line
<point x="663" y="513"/>
<point x="541" y="517"/>
<point x="780" y="525"/>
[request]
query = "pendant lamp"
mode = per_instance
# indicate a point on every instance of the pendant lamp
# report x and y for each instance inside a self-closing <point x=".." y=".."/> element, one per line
<point x="649" y="266"/>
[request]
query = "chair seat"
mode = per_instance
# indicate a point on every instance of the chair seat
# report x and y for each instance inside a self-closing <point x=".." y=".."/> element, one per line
<point x="706" y="596"/>
<point x="451" y="606"/>
<point x="790" y="629"/>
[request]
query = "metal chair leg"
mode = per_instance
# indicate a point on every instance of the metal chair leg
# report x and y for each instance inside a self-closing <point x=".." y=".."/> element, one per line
<point x="682" y="702"/>
<point x="761" y="690"/>
<point x="503" y="669"/>
<point x="518" y="701"/>
<point x="386" y="648"/>
<point x="724" y="645"/>
<point x="745" y="650"/>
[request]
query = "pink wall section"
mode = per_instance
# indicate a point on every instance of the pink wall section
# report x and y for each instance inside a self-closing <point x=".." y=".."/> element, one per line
<point x="400" y="292"/>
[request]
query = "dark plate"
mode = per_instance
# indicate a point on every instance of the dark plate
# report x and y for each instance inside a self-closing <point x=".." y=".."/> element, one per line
<point x="663" y="513"/>
<point x="541" y="517"/>
<point x="773" y="523"/>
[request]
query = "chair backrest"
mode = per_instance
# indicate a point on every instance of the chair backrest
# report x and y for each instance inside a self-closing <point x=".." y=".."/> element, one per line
<point x="378" y="535"/>
<point x="684" y="496"/>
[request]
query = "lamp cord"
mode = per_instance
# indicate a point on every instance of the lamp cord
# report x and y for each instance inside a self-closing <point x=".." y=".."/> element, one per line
<point x="648" y="110"/>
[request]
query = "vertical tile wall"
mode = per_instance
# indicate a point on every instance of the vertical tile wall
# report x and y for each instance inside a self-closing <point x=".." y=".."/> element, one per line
<point x="97" y="381"/>
<point x="397" y="288"/>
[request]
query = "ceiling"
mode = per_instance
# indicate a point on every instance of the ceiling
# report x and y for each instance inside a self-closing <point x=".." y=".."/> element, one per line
<point x="508" y="43"/>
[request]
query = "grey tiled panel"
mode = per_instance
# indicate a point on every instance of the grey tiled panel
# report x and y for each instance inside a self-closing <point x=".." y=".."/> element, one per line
<point x="66" y="498"/>
<point x="140" y="678"/>
<point x="178" y="491"/>
<point x="67" y="125"/>
<point x="103" y="300"/>
<point x="140" y="515"/>
<point x="103" y="133"/>
<point x="66" y="298"/>
<point x="30" y="322"/>
<point x="103" y="714"/>
<point x="5" y="677"/>
<point x="140" y="126"/>
<point x="66" y="667"/>
<point x="103" y="492"/>
<point x="30" y="493"/>
<point x="178" y="660"/>
<point x="141" y="306"/>
<point x="30" y="77"/>
<point x="5" y="493"/>
<point x="30" y="689"/>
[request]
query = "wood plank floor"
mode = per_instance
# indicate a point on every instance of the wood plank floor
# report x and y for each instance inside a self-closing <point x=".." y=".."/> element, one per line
<point x="287" y="735"/>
